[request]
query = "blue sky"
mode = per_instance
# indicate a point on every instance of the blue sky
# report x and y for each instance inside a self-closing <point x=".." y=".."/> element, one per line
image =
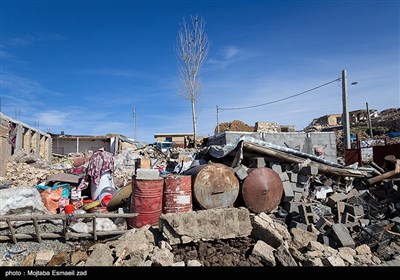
<point x="82" y="66"/>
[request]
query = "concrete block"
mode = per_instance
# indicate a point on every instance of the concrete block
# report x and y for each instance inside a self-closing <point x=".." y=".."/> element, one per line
<point x="302" y="179"/>
<point x="355" y="210"/>
<point x="309" y="170"/>
<point x="342" y="236"/>
<point x="349" y="221"/>
<point x="294" y="224"/>
<point x="340" y="206"/>
<point x="292" y="177"/>
<point x="334" y="198"/>
<point x="147" y="174"/>
<point x="284" y="176"/>
<point x="307" y="215"/>
<point x="287" y="191"/>
<point x="43" y="257"/>
<point x="364" y="222"/>
<point x="297" y="187"/>
<point x="297" y="196"/>
<point x="277" y="168"/>
<point x="241" y="172"/>
<point x="292" y="206"/>
<point x="255" y="162"/>
<point x="286" y="167"/>
<point x="323" y="225"/>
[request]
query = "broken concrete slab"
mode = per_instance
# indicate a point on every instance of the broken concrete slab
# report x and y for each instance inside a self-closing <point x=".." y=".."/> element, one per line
<point x="59" y="259"/>
<point x="63" y="178"/>
<point x="269" y="231"/>
<point x="162" y="257"/>
<point x="315" y="246"/>
<point x="78" y="256"/>
<point x="194" y="263"/>
<point x="345" y="254"/>
<point x="284" y="257"/>
<point x="101" y="256"/>
<point x="181" y="263"/>
<point x="265" y="252"/>
<point x="363" y="249"/>
<point x="221" y="223"/>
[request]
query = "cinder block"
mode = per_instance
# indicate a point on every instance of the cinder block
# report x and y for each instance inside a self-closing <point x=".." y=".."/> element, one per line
<point x="302" y="179"/>
<point x="147" y="174"/>
<point x="286" y="167"/>
<point x="350" y="221"/>
<point x="309" y="171"/>
<point x="241" y="172"/>
<point x="277" y="168"/>
<point x="307" y="215"/>
<point x="292" y="206"/>
<point x="256" y="162"/>
<point x="323" y="225"/>
<point x="297" y="187"/>
<point x="342" y="236"/>
<point x="355" y="210"/>
<point x="284" y="176"/>
<point x="287" y="191"/>
<point x="292" y="177"/>
<point x="294" y="224"/>
<point x="334" y="198"/>
<point x="297" y="196"/>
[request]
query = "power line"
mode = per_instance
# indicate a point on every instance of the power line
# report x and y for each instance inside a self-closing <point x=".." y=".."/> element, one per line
<point x="282" y="99"/>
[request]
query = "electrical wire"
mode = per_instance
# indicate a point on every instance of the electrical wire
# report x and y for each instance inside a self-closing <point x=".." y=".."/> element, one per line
<point x="282" y="99"/>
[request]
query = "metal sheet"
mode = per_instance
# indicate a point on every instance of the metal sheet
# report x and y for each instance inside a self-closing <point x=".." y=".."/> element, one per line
<point x="215" y="186"/>
<point x="262" y="190"/>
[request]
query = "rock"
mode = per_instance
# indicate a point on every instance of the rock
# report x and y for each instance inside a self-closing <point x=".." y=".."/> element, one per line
<point x="376" y="260"/>
<point x="333" y="261"/>
<point x="59" y="259"/>
<point x="193" y="263"/>
<point x="162" y="257"/>
<point x="315" y="246"/>
<point x="265" y="252"/>
<point x="105" y="224"/>
<point x="346" y="255"/>
<point x="29" y="260"/>
<point x="363" y="249"/>
<point x="78" y="256"/>
<point x="283" y="255"/>
<point x="181" y="263"/>
<point x="80" y="227"/>
<point x="101" y="256"/>
<point x="164" y="245"/>
<point x="348" y="250"/>
<point x="296" y="254"/>
<point x="363" y="259"/>
<point x="43" y="257"/>
<point x="313" y="262"/>
<point x="147" y="263"/>
<point x="302" y="238"/>
<point x="314" y="254"/>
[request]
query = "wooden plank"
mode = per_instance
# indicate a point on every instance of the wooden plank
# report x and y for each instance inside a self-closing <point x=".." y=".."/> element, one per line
<point x="36" y="225"/>
<point x="14" y="238"/>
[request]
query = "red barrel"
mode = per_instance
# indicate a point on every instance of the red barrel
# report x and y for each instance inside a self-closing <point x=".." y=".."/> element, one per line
<point x="262" y="190"/>
<point x="146" y="200"/>
<point x="177" y="196"/>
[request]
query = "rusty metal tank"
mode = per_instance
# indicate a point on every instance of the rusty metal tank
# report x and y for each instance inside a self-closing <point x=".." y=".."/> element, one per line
<point x="214" y="185"/>
<point x="177" y="197"/>
<point x="262" y="190"/>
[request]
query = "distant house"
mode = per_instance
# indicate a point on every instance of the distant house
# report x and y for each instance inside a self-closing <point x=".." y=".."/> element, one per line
<point x="64" y="144"/>
<point x="182" y="140"/>
<point x="16" y="136"/>
<point x="358" y="116"/>
<point x="328" y="120"/>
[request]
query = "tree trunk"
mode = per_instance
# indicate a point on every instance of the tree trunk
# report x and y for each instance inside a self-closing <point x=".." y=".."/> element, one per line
<point x="194" y="122"/>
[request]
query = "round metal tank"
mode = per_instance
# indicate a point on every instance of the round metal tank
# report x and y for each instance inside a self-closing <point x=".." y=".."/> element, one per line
<point x="262" y="190"/>
<point x="177" y="197"/>
<point x="214" y="185"/>
<point x="146" y="200"/>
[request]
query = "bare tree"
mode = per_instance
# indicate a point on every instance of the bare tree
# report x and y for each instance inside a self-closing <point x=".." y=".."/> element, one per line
<point x="191" y="50"/>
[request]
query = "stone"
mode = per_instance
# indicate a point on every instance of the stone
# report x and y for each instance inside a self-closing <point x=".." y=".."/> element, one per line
<point x="315" y="246"/>
<point x="105" y="224"/>
<point x="269" y="231"/>
<point x="78" y="256"/>
<point x="283" y="255"/>
<point x="363" y="249"/>
<point x="29" y="260"/>
<point x="363" y="259"/>
<point x="301" y="238"/>
<point x="296" y="254"/>
<point x="162" y="257"/>
<point x="59" y="259"/>
<point x="101" y="256"/>
<point x="333" y="261"/>
<point x="376" y="260"/>
<point x="181" y="263"/>
<point x="265" y="252"/>
<point x="164" y="245"/>
<point x="43" y="257"/>
<point x="194" y="263"/>
<point x="313" y="262"/>
<point x="345" y="255"/>
<point x="342" y="236"/>
<point x="147" y="263"/>
<point x="80" y="227"/>
<point x="314" y="254"/>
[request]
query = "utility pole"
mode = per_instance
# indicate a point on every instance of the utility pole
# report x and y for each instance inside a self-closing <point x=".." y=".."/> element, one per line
<point x="345" y="116"/>
<point x="369" y="122"/>
<point x="134" y="124"/>
<point x="217" y="119"/>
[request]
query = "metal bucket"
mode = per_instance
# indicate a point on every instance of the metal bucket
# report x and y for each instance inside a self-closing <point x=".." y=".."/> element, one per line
<point x="262" y="190"/>
<point x="214" y="185"/>
<point x="146" y="200"/>
<point x="177" y="197"/>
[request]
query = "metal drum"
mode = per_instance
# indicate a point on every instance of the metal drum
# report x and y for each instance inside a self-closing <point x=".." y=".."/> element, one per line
<point x="177" y="197"/>
<point x="146" y="200"/>
<point x="262" y="190"/>
<point x="214" y="185"/>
